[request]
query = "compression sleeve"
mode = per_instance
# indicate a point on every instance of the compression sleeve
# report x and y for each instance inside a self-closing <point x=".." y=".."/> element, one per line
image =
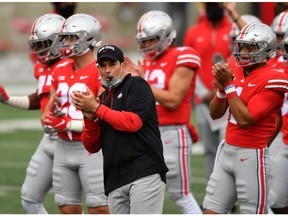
<point x="91" y="136"/>
<point x="21" y="102"/>
<point x="123" y="121"/>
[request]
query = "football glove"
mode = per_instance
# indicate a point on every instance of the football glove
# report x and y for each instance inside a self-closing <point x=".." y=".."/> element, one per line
<point x="58" y="123"/>
<point x="3" y="95"/>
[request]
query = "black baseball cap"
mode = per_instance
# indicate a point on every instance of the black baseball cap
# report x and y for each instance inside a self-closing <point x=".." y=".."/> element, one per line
<point x="111" y="52"/>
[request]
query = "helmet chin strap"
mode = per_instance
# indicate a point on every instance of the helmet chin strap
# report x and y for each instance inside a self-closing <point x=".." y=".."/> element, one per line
<point x="113" y="82"/>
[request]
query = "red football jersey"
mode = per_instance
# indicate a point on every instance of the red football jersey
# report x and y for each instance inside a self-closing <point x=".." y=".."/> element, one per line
<point x="43" y="73"/>
<point x="158" y="73"/>
<point x="284" y="112"/>
<point x="279" y="65"/>
<point x="263" y="97"/>
<point x="207" y="41"/>
<point x="64" y="81"/>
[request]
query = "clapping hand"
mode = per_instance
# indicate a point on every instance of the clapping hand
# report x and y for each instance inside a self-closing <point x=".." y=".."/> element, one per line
<point x="86" y="102"/>
<point x="222" y="73"/>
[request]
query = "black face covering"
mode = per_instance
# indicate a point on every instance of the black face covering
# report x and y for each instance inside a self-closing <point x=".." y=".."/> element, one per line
<point x="214" y="12"/>
<point x="65" y="11"/>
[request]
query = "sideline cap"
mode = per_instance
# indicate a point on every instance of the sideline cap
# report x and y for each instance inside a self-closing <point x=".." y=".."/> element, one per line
<point x="111" y="52"/>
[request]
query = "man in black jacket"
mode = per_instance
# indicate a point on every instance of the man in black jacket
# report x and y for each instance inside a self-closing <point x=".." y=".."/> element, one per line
<point x="123" y="122"/>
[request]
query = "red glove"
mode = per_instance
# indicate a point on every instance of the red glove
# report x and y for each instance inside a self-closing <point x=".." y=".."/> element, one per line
<point x="58" y="123"/>
<point x="193" y="133"/>
<point x="3" y="95"/>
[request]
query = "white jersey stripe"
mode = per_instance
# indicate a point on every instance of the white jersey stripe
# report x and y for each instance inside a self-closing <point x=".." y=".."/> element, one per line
<point x="188" y="61"/>
<point x="278" y="80"/>
<point x="276" y="86"/>
<point x="188" y="56"/>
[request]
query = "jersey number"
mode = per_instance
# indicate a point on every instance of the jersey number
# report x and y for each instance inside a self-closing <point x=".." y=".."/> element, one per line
<point x="64" y="92"/>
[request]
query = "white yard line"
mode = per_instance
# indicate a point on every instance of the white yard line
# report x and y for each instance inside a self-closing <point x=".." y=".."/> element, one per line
<point x="26" y="124"/>
<point x="23" y="124"/>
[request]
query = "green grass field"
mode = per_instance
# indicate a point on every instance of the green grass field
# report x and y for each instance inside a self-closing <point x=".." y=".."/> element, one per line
<point x="17" y="148"/>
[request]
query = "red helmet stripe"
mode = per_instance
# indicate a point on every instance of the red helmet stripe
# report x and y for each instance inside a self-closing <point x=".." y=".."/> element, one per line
<point x="34" y="26"/>
<point x="245" y="30"/>
<point x="280" y="22"/>
<point x="64" y="24"/>
<point x="140" y="29"/>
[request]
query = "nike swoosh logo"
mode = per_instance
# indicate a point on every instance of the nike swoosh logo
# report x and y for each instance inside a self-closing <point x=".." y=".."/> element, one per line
<point x="251" y="85"/>
<point x="163" y="64"/>
<point x="62" y="122"/>
<point x="83" y="77"/>
<point x="243" y="159"/>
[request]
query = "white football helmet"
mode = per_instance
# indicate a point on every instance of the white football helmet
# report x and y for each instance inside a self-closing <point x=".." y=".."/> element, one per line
<point x="155" y="24"/>
<point x="259" y="35"/>
<point x="280" y="26"/>
<point x="80" y="33"/>
<point x="280" y="23"/>
<point x="44" y="36"/>
<point x="247" y="18"/>
<point x="284" y="48"/>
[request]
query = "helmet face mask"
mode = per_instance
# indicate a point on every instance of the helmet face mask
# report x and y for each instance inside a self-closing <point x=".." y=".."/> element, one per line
<point x="73" y="44"/>
<point x="158" y="26"/>
<point x="251" y="56"/>
<point x="44" y="36"/>
<point x="82" y="31"/>
<point x="259" y="40"/>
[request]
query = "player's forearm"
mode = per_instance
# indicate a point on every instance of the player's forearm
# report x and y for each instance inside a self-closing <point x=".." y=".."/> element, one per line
<point x="21" y="102"/>
<point x="240" y="112"/>
<point x="165" y="98"/>
<point x="218" y="107"/>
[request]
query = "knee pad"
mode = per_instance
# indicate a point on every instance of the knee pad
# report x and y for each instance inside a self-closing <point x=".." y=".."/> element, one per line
<point x="28" y="195"/>
<point x="62" y="200"/>
<point x="33" y="208"/>
<point x="93" y="201"/>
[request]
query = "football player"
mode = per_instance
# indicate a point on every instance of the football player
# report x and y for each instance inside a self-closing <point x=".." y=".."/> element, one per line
<point x="75" y="171"/>
<point x="277" y="198"/>
<point x="38" y="180"/>
<point x="170" y="71"/>
<point x="242" y="166"/>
